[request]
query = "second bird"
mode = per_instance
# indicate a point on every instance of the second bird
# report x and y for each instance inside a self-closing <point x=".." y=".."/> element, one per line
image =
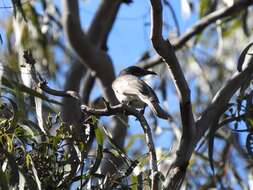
<point x="131" y="90"/>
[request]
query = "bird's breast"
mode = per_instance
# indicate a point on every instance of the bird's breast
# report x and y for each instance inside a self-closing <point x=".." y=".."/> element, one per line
<point x="121" y="89"/>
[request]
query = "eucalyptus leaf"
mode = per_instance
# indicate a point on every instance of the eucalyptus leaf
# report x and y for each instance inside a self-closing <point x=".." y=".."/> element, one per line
<point x="39" y="114"/>
<point x="35" y="174"/>
<point x="4" y="182"/>
<point x="242" y="57"/>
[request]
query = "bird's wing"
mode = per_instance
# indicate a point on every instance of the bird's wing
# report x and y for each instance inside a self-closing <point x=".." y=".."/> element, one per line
<point x="139" y="88"/>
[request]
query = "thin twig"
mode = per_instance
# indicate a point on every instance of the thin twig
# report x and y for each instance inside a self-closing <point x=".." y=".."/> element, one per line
<point x="199" y="26"/>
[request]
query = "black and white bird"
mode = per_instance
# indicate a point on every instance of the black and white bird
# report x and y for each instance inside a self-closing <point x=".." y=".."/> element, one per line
<point x="131" y="90"/>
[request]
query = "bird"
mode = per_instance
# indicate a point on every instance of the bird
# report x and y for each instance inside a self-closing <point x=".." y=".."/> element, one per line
<point x="131" y="90"/>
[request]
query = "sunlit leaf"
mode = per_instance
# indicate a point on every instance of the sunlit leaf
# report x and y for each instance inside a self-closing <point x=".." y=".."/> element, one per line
<point x="21" y="184"/>
<point x="4" y="183"/>
<point x="99" y="136"/>
<point x="28" y="160"/>
<point x="233" y="26"/>
<point x="134" y="180"/>
<point x="38" y="106"/>
<point x="204" y="4"/>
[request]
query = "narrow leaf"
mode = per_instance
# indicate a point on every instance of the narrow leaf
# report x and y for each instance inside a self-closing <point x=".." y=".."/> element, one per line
<point x="211" y="135"/>
<point x="35" y="174"/>
<point x="99" y="140"/>
<point x="3" y="180"/>
<point x="242" y="57"/>
<point x="1" y="39"/>
<point x="38" y="106"/>
<point x="249" y="143"/>
<point x="21" y="184"/>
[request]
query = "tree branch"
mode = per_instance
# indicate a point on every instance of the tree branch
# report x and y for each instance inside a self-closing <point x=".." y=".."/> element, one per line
<point x="124" y="109"/>
<point x="165" y="50"/>
<point x="99" y="62"/>
<point x="212" y="113"/>
<point x="199" y="27"/>
<point x="94" y="58"/>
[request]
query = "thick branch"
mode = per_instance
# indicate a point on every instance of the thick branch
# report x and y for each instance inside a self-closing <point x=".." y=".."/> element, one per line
<point x="165" y="50"/>
<point x="94" y="58"/>
<point x="103" y="21"/>
<point x="88" y="83"/>
<point x="99" y="62"/>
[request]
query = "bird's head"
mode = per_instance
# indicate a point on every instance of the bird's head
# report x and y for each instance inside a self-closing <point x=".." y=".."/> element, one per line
<point x="136" y="71"/>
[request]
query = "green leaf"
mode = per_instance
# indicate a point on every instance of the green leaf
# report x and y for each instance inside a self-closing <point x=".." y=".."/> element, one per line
<point x="134" y="181"/>
<point x="9" y="141"/>
<point x="93" y="120"/>
<point x="4" y="183"/>
<point x="28" y="159"/>
<point x="99" y="156"/>
<point x="204" y="4"/>
<point x="250" y="122"/>
<point x="31" y="125"/>
<point x="233" y="26"/>
<point x="99" y="136"/>
<point x="27" y="130"/>
<point x="99" y="152"/>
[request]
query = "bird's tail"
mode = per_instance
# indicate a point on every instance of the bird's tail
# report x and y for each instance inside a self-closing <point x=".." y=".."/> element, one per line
<point x="158" y="110"/>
